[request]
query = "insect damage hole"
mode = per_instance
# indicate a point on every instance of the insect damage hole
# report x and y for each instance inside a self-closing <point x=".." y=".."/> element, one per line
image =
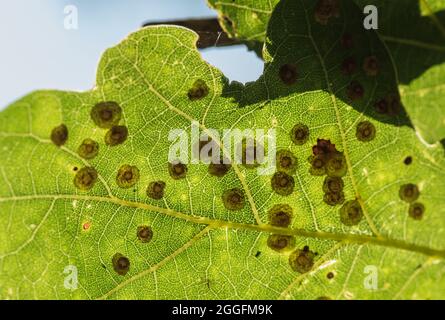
<point x="280" y="243"/>
<point x="156" y="190"/>
<point x="302" y="261"/>
<point x="89" y="149"/>
<point x="121" y="264"/>
<point x="59" y="135"/>
<point x="198" y="91"/>
<point x="144" y="234"/>
<point x="85" y="178"/>
<point x="116" y="135"/>
<point x="233" y="199"/>
<point x="106" y="114"/>
<point x="409" y="192"/>
<point x="299" y="134"/>
<point x="282" y="183"/>
<point x="280" y="215"/>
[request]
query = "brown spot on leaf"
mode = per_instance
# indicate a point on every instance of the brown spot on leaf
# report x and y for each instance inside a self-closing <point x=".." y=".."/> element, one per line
<point x="325" y="10"/>
<point x="280" y="243"/>
<point x="59" y="135"/>
<point x="327" y="159"/>
<point x="106" y="114"/>
<point x="85" y="178"/>
<point x="89" y="149"/>
<point x="336" y="165"/>
<point x="177" y="170"/>
<point x="144" y="234"/>
<point x="127" y="176"/>
<point x="282" y="183"/>
<point x="286" y="162"/>
<point x="347" y="41"/>
<point x="365" y="131"/>
<point x="334" y="198"/>
<point x="121" y="264"/>
<point x="299" y="134"/>
<point x="219" y="169"/>
<point x="280" y="215"/>
<point x="288" y="73"/>
<point x="416" y="210"/>
<point x="389" y="105"/>
<point x="198" y="91"/>
<point x="409" y="192"/>
<point x="408" y="160"/>
<point x="156" y="189"/>
<point x="355" y="91"/>
<point x="233" y="199"/>
<point x="302" y="261"/>
<point x="333" y="184"/>
<point x="371" y="66"/>
<point x="348" y="66"/>
<point x="351" y="213"/>
<point x="116" y="135"/>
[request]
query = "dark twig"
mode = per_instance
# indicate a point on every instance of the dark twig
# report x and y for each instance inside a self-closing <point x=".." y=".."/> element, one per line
<point x="209" y="30"/>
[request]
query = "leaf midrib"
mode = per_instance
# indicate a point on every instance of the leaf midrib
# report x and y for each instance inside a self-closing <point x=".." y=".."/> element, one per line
<point x="218" y="224"/>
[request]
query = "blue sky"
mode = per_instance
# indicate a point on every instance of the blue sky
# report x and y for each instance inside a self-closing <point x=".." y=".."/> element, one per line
<point x="37" y="52"/>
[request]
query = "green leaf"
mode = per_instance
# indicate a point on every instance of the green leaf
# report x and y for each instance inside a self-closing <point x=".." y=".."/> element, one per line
<point x="246" y="19"/>
<point x="410" y="28"/>
<point x="188" y="244"/>
<point x="416" y="42"/>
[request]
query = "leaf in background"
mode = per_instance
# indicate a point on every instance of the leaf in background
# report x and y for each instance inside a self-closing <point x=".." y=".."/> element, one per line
<point x="417" y="46"/>
<point x="414" y="32"/>
<point x="137" y="228"/>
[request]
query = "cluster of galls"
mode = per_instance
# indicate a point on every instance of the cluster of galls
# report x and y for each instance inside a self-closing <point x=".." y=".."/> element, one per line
<point x="121" y="264"/>
<point x="389" y="105"/>
<point x="327" y="160"/>
<point x="105" y="115"/>
<point x="410" y="193"/>
<point x="300" y="260"/>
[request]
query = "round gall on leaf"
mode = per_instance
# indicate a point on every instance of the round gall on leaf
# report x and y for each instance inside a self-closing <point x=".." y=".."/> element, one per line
<point x="106" y="114"/>
<point x="59" y="135"/>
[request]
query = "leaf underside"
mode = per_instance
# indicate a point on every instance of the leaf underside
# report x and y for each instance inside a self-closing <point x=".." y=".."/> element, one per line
<point x="200" y="249"/>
